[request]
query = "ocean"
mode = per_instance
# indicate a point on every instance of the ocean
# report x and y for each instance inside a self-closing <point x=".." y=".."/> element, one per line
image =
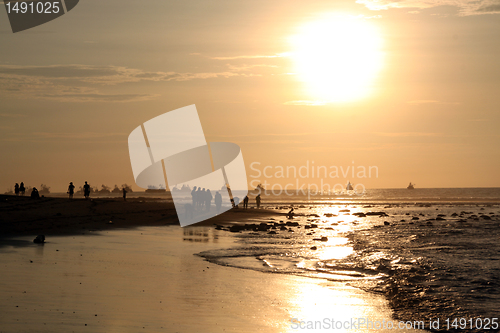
<point x="433" y="253"/>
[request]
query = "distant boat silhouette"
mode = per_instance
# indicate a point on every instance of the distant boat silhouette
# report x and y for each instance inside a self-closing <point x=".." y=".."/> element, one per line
<point x="349" y="187"/>
<point x="411" y="186"/>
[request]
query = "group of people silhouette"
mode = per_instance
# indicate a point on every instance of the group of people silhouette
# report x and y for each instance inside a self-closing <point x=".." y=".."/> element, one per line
<point x="245" y="202"/>
<point x="86" y="190"/>
<point x="19" y="189"/>
<point x="202" y="199"/>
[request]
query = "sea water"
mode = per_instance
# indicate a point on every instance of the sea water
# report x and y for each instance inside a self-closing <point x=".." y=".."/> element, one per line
<point x="433" y="253"/>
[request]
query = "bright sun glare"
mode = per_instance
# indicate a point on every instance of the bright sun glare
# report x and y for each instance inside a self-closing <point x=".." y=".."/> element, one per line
<point x="338" y="57"/>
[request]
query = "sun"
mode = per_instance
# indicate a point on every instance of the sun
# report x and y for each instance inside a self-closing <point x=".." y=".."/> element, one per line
<point x="337" y="57"/>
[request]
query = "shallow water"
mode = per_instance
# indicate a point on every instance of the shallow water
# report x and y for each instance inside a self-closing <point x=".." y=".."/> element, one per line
<point x="428" y="262"/>
<point x="148" y="280"/>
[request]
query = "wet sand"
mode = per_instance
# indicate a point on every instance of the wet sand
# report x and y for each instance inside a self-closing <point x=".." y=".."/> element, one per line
<point x="141" y="273"/>
<point x="148" y="280"/>
<point x="61" y="216"/>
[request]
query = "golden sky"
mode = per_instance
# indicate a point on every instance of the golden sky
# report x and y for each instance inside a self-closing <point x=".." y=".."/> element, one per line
<point x="420" y="81"/>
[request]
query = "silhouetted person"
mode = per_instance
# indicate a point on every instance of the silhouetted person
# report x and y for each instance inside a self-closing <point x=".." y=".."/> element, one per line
<point x="35" y="194"/>
<point x="193" y="196"/>
<point x="124" y="191"/>
<point x="16" y="189"/>
<point x="22" y="189"/>
<point x="245" y="202"/>
<point x="86" y="190"/>
<point x="71" y="190"/>
<point x="218" y="201"/>
<point x="198" y="197"/>
<point x="202" y="198"/>
<point x="290" y="214"/>
<point x="257" y="201"/>
<point x="208" y="199"/>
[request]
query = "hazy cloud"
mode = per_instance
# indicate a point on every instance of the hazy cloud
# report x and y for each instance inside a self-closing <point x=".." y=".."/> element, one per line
<point x="307" y="103"/>
<point x="12" y="115"/>
<point x="279" y="55"/>
<point x="83" y="83"/>
<point x="98" y="97"/>
<point x="465" y="7"/>
<point x="429" y="101"/>
<point x="406" y="134"/>
<point x="109" y="75"/>
<point x="75" y="136"/>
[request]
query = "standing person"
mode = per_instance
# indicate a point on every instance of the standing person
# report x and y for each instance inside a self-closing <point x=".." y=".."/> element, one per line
<point x="208" y="199"/>
<point x="245" y="202"/>
<point x="202" y="199"/>
<point x="124" y="190"/>
<point x="71" y="190"/>
<point x="198" y="197"/>
<point x="193" y="196"/>
<point x="22" y="189"/>
<point x="257" y="200"/>
<point x="86" y="190"/>
<point x="16" y="189"/>
<point x="218" y="201"/>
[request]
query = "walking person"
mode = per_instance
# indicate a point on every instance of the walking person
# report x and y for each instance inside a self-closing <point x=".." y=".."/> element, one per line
<point x="16" y="189"/>
<point x="71" y="190"/>
<point x="193" y="196"/>
<point x="22" y="189"/>
<point x="208" y="199"/>
<point x="124" y="191"/>
<point x="218" y="201"/>
<point x="257" y="200"/>
<point x="245" y="202"/>
<point x="86" y="190"/>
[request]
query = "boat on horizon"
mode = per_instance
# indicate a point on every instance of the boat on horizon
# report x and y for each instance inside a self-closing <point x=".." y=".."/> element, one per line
<point x="349" y="187"/>
<point x="411" y="186"/>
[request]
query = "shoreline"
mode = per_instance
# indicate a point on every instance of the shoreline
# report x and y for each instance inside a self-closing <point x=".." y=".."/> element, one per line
<point x="88" y="217"/>
<point x="22" y="216"/>
<point x="151" y="279"/>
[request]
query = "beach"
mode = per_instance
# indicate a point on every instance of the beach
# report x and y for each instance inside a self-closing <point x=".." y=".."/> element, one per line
<point x="62" y="216"/>
<point x="148" y="279"/>
<point x="348" y="265"/>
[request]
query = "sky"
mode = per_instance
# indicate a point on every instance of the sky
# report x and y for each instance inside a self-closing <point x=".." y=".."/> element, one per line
<point x="73" y="89"/>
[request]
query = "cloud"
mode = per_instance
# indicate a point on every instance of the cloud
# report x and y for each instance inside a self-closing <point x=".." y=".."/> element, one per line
<point x="106" y="75"/>
<point x="307" y="103"/>
<point x="465" y="7"/>
<point x="406" y="134"/>
<point x="423" y="101"/>
<point x="75" y="136"/>
<point x="430" y="101"/>
<point x="66" y="136"/>
<point x="279" y="55"/>
<point x="246" y="67"/>
<point x="12" y="115"/>
<point x="493" y="8"/>
<point x="83" y="83"/>
<point x="98" y="97"/>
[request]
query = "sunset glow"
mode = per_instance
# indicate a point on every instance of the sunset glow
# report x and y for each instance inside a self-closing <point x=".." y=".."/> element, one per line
<point x="337" y="57"/>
